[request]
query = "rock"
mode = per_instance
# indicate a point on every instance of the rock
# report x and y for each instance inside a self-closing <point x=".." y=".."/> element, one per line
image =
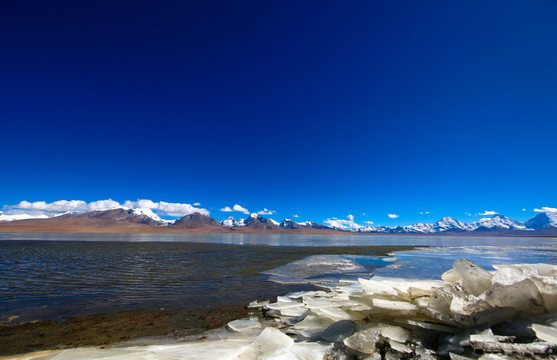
<point x="339" y="331"/>
<point x="476" y="279"/>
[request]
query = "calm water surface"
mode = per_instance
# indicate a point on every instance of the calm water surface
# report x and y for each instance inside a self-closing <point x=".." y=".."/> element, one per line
<point x="48" y="276"/>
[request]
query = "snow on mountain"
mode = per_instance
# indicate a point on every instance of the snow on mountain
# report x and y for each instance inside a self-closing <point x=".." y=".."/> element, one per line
<point x="231" y="222"/>
<point x="544" y="220"/>
<point x="496" y="222"/>
<point x="274" y="222"/>
<point x="149" y="213"/>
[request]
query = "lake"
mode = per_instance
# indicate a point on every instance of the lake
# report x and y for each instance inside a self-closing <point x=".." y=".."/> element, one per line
<point x="52" y="276"/>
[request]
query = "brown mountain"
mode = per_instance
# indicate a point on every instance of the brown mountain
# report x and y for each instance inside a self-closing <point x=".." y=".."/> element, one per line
<point x="109" y="221"/>
<point x="115" y="215"/>
<point x="197" y="221"/>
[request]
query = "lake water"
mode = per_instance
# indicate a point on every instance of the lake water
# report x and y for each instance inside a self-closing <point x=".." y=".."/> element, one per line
<point x="49" y="276"/>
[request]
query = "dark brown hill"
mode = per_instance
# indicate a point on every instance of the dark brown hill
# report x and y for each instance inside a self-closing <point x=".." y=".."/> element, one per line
<point x="197" y="221"/>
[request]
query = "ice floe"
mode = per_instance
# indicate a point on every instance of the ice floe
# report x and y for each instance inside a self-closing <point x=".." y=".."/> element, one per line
<point x="472" y="313"/>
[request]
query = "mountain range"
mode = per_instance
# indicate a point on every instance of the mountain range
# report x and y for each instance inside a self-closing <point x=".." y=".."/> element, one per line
<point x="145" y="220"/>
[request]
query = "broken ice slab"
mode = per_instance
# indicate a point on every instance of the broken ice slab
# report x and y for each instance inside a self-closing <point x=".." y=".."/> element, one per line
<point x="547" y="285"/>
<point x="524" y="296"/>
<point x="294" y="311"/>
<point x="451" y="276"/>
<point x="272" y="341"/>
<point x="300" y="294"/>
<point x="332" y="313"/>
<point x="404" y="289"/>
<point x="316" y="303"/>
<point x="244" y="325"/>
<point x="258" y="304"/>
<point x="476" y="279"/>
<point x="312" y="325"/>
<point x="428" y="325"/>
<point x="309" y="351"/>
<point x="545" y="333"/>
<point x="543" y="269"/>
<point x="284" y="305"/>
<point x="396" y="306"/>
<point x="508" y="275"/>
<point x="339" y="330"/>
<point x="364" y="341"/>
<point x="400" y="349"/>
<point x="394" y="333"/>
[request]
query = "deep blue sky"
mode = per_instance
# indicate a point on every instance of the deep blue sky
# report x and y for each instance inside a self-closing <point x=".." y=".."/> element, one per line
<point x="321" y="109"/>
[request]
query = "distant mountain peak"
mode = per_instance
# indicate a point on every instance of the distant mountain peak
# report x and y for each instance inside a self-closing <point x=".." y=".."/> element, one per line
<point x="196" y="220"/>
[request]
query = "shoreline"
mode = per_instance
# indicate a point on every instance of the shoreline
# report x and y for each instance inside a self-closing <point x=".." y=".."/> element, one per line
<point x="159" y="231"/>
<point x="382" y="318"/>
<point x="109" y="329"/>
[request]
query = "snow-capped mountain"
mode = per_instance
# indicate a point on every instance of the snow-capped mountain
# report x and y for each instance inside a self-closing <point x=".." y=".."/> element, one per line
<point x="544" y="223"/>
<point x="496" y="222"/>
<point x="541" y="221"/>
<point x="149" y="213"/>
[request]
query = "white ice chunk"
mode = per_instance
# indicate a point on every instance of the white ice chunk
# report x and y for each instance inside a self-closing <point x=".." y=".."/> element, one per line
<point x="523" y="295"/>
<point x="310" y="351"/>
<point x="474" y="277"/>
<point x="244" y="325"/>
<point x="294" y="311"/>
<point x="545" y="333"/>
<point x="284" y="305"/>
<point x="511" y="275"/>
<point x="391" y="305"/>
<point x="364" y="341"/>
<point x="272" y="341"/>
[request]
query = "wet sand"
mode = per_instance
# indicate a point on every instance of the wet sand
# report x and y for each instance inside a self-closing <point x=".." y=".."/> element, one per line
<point x="110" y="328"/>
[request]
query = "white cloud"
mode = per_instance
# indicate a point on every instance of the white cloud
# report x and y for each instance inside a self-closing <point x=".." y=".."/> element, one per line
<point x="424" y="212"/>
<point x="236" y="207"/>
<point x="488" y="212"/>
<point x="79" y="206"/>
<point x="295" y="216"/>
<point x="266" y="211"/>
<point x="364" y="214"/>
<point x="393" y="216"/>
<point x="166" y="208"/>
<point x="343" y="224"/>
<point x="523" y="209"/>
<point x="62" y="206"/>
<point x="546" y="209"/>
<point x="467" y="213"/>
<point x="369" y="222"/>
<point x="197" y="204"/>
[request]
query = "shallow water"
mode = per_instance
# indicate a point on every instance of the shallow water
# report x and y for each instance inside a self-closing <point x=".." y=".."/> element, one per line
<point x="71" y="274"/>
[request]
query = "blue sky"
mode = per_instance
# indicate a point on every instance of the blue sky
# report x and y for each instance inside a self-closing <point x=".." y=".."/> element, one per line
<point x="315" y="109"/>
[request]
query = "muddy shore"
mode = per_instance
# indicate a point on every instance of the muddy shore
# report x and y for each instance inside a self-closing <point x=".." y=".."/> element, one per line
<point x="110" y="328"/>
